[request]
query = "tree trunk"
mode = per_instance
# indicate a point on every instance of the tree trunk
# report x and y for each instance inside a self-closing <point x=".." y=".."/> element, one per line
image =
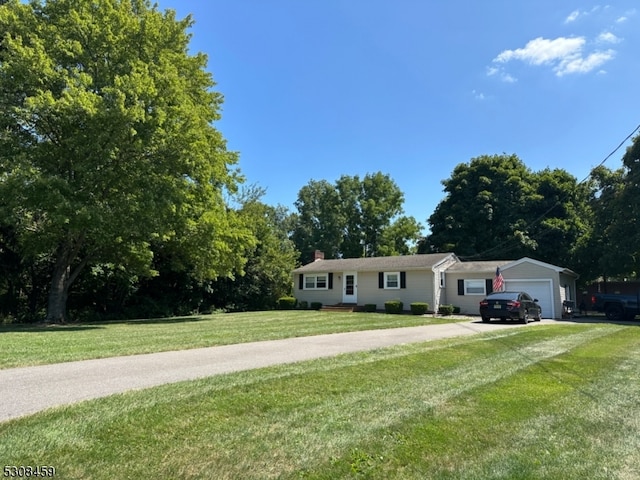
<point x="58" y="294"/>
<point x="61" y="280"/>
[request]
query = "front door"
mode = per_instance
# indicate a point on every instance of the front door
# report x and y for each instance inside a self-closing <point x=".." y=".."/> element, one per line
<point x="350" y="288"/>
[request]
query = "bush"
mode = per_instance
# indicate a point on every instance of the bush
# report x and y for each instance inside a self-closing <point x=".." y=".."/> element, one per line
<point x="445" y="309"/>
<point x="456" y="310"/>
<point x="286" y="303"/>
<point x="303" y="305"/>
<point x="370" y="307"/>
<point x="316" y="305"/>
<point x="419" y="308"/>
<point x="393" y="306"/>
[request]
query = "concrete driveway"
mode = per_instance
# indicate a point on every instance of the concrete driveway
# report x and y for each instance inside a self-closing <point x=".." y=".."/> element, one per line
<point x="27" y="390"/>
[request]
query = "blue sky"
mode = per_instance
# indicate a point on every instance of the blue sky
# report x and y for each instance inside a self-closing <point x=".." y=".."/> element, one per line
<point x="412" y="88"/>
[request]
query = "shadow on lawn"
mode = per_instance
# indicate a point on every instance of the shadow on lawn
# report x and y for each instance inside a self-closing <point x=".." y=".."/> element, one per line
<point x="45" y="327"/>
<point x="84" y="326"/>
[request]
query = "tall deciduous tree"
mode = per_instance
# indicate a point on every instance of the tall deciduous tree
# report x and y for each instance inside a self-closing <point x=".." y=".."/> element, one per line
<point x="319" y="221"/>
<point x="270" y="261"/>
<point x="107" y="141"/>
<point x="483" y="212"/>
<point x="497" y="208"/>
<point x="629" y="214"/>
<point x="354" y="218"/>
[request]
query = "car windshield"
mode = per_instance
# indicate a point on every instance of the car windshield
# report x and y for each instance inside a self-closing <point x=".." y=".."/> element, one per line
<point x="503" y="296"/>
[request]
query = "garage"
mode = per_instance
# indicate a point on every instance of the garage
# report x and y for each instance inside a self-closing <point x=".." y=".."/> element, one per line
<point x="540" y="289"/>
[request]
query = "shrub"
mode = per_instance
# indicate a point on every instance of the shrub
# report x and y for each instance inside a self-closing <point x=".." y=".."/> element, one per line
<point x="286" y="303"/>
<point x="303" y="305"/>
<point x="370" y="307"/>
<point x="456" y="310"/>
<point x="445" y="309"/>
<point x="316" y="305"/>
<point x="419" y="308"/>
<point x="393" y="306"/>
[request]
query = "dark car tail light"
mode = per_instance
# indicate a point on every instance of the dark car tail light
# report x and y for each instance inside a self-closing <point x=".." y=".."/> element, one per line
<point x="484" y="303"/>
<point x="513" y="304"/>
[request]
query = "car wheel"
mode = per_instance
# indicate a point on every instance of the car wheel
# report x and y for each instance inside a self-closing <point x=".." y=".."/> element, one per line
<point x="525" y="317"/>
<point x="539" y="316"/>
<point x="485" y="319"/>
<point x="614" y="313"/>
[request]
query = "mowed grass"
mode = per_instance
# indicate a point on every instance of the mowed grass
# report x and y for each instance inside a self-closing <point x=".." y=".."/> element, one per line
<point x="37" y="345"/>
<point x="540" y="402"/>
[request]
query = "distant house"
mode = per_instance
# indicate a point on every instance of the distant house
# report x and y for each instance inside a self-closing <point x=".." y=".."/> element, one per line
<point x="438" y="279"/>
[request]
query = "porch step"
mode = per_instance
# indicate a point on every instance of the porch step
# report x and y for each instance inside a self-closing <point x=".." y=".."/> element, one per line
<point x="341" y="307"/>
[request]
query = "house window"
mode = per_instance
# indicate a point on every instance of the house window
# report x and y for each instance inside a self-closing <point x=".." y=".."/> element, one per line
<point x="315" y="282"/>
<point x="442" y="280"/>
<point x="392" y="280"/>
<point x="474" y="287"/>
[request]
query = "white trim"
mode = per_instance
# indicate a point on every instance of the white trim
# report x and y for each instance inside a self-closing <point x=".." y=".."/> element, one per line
<point x="479" y="280"/>
<point x="386" y="280"/>
<point x="315" y="281"/>
<point x="555" y="268"/>
<point x="349" y="298"/>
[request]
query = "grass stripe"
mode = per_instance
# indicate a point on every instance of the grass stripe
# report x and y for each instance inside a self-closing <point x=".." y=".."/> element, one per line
<point x="462" y="408"/>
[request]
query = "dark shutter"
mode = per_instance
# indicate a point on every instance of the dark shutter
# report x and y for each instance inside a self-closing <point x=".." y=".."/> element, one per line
<point x="460" y="287"/>
<point x="489" y="285"/>
<point x="300" y="282"/>
<point x="403" y="279"/>
<point x="380" y="279"/>
<point x="331" y="281"/>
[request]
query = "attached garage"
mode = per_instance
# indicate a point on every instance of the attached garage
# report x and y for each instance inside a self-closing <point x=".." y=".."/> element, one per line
<point x="539" y="289"/>
<point x="468" y="282"/>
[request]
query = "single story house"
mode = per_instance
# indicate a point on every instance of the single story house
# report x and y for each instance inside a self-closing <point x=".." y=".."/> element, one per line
<point x="437" y="279"/>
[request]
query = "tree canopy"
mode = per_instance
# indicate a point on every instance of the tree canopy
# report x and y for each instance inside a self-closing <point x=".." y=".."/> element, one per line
<point x="497" y="208"/>
<point x="353" y="218"/>
<point x="107" y="142"/>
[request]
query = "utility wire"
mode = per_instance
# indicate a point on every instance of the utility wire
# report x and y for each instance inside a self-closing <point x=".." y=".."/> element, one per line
<point x="501" y="246"/>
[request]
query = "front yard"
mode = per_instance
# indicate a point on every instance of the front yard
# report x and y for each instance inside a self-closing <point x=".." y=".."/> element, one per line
<point x="551" y="401"/>
<point x="23" y="345"/>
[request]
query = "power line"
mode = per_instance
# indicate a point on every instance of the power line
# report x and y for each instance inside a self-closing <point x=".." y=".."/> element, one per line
<point x="504" y="245"/>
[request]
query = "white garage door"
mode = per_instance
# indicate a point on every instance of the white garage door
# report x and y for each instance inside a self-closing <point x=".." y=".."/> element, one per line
<point x="540" y="289"/>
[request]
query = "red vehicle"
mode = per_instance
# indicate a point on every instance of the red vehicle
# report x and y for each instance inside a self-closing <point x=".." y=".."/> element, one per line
<point x="510" y="306"/>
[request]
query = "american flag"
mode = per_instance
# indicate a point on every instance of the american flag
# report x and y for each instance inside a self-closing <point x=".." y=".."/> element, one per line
<point x="498" y="281"/>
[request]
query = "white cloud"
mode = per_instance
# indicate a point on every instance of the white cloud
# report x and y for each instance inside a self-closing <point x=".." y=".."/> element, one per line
<point x="478" y="95"/>
<point x="500" y="73"/>
<point x="584" y="64"/>
<point x="608" y="37"/>
<point x="564" y="54"/>
<point x="543" y="51"/>
<point x="625" y="17"/>
<point x="573" y="16"/>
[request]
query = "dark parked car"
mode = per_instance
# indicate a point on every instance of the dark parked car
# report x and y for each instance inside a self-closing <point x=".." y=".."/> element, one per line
<point x="510" y="306"/>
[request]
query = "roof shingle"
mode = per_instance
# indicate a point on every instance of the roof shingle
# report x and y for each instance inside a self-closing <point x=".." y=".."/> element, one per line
<point x="375" y="264"/>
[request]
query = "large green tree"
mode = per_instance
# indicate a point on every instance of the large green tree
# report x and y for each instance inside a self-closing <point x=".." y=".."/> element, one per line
<point x="497" y="208"/>
<point x="614" y="246"/>
<point x="483" y="212"/>
<point x="267" y="273"/>
<point x="353" y="218"/>
<point x="107" y="142"/>
<point x="628" y="221"/>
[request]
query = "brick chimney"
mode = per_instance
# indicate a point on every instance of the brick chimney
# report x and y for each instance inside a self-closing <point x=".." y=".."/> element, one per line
<point x="318" y="255"/>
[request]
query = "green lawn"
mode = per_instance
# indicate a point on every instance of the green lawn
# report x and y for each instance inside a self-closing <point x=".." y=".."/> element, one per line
<point x="539" y="402"/>
<point x="37" y="345"/>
